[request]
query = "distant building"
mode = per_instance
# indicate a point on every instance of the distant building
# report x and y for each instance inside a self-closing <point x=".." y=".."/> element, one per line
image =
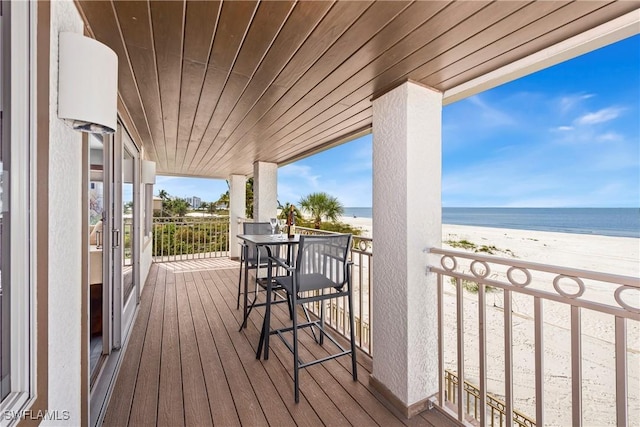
<point x="194" y="202"/>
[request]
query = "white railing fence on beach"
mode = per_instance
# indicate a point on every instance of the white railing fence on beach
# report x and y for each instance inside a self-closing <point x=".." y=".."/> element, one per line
<point x="189" y="238"/>
<point x="577" y="299"/>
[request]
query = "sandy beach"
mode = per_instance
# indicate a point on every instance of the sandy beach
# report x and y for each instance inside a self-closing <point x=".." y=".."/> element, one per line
<point x="615" y="255"/>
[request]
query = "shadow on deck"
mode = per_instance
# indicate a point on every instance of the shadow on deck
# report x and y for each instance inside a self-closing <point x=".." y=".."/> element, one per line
<point x="187" y="364"/>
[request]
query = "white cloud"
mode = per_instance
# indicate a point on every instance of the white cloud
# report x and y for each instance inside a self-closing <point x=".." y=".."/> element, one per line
<point x="491" y="116"/>
<point x="610" y="137"/>
<point x="564" y="128"/>
<point x="295" y="181"/>
<point x="300" y="172"/>
<point x="570" y="102"/>
<point x="600" y="116"/>
<point x="548" y="175"/>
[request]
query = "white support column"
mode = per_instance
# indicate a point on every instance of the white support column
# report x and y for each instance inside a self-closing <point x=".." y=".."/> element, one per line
<point x="265" y="191"/>
<point x="237" y="200"/>
<point x="406" y="221"/>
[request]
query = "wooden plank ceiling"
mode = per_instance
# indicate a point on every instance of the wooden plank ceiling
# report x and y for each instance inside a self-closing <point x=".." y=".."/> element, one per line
<point x="213" y="86"/>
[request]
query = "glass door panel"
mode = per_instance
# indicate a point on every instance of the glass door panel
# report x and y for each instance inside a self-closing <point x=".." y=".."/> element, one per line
<point x="128" y="208"/>
<point x="125" y="240"/>
<point x="97" y="344"/>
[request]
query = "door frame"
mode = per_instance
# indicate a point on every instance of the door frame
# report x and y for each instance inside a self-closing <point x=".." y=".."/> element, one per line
<point x="128" y="307"/>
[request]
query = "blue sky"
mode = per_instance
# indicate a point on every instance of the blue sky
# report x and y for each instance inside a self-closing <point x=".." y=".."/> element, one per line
<point x="567" y="136"/>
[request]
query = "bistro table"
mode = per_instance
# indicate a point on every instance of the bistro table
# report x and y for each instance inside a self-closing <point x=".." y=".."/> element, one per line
<point x="267" y="241"/>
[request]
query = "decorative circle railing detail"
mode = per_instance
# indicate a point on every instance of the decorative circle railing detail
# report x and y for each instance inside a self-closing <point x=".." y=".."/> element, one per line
<point x="514" y="282"/>
<point x="481" y="275"/>
<point x="622" y="303"/>
<point x="443" y="262"/>
<point x="557" y="286"/>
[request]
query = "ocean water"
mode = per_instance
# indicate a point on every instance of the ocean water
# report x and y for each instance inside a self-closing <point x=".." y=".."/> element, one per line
<point x="619" y="222"/>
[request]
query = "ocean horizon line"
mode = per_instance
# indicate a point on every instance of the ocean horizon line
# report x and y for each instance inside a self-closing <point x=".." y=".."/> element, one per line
<point x="616" y="222"/>
<point x="517" y="207"/>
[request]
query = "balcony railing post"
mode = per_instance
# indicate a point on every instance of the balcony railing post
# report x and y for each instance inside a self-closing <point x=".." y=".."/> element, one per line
<point x="576" y="366"/>
<point x="460" y="341"/>
<point x="621" y="371"/>
<point x="569" y="286"/>
<point x="508" y="359"/>
<point x="482" y="357"/>
<point x="539" y="355"/>
<point x="441" y="371"/>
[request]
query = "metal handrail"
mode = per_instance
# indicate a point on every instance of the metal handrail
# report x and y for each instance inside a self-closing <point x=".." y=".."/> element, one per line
<point x="573" y="287"/>
<point x="187" y="238"/>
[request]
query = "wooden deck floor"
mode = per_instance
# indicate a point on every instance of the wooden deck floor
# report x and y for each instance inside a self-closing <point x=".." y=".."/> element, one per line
<point x="187" y="364"/>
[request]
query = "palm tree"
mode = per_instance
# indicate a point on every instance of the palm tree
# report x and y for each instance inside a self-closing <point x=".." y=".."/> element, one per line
<point x="321" y="205"/>
<point x="249" y="199"/>
<point x="179" y="207"/>
<point x="223" y="200"/>
<point x="165" y="201"/>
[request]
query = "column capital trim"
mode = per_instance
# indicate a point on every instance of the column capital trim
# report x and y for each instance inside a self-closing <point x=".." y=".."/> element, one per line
<point x="393" y="86"/>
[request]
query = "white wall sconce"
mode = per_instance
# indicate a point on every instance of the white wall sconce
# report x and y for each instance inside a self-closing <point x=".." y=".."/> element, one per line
<point x="87" y="84"/>
<point x="148" y="172"/>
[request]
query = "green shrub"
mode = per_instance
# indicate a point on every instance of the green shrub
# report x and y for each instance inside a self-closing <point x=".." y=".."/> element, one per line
<point x="471" y="286"/>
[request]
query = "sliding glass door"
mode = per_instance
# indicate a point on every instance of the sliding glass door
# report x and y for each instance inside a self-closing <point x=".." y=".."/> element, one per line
<point x="124" y="234"/>
<point x="100" y="296"/>
<point x="113" y="243"/>
<point x="126" y="216"/>
<point x="114" y="253"/>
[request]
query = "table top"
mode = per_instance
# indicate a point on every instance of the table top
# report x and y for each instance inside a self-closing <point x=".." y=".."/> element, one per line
<point x="269" y="239"/>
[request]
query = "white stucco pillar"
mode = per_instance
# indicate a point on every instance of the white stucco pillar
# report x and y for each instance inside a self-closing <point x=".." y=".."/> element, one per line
<point x="65" y="281"/>
<point x="406" y="222"/>
<point x="265" y="191"/>
<point x="237" y="201"/>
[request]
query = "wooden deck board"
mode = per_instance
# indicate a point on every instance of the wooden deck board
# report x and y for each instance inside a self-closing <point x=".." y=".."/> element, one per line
<point x="196" y="400"/>
<point x="325" y="409"/>
<point x="144" y="409"/>
<point x="332" y="391"/>
<point x="122" y="397"/>
<point x="339" y="369"/>
<point x="170" y="397"/>
<point x="272" y="403"/>
<point x="221" y="406"/>
<point x="248" y="408"/>
<point x="187" y="364"/>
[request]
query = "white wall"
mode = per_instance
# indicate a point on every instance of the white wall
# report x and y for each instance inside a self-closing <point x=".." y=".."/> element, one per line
<point x="265" y="191"/>
<point x="65" y="238"/>
<point x="237" y="205"/>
